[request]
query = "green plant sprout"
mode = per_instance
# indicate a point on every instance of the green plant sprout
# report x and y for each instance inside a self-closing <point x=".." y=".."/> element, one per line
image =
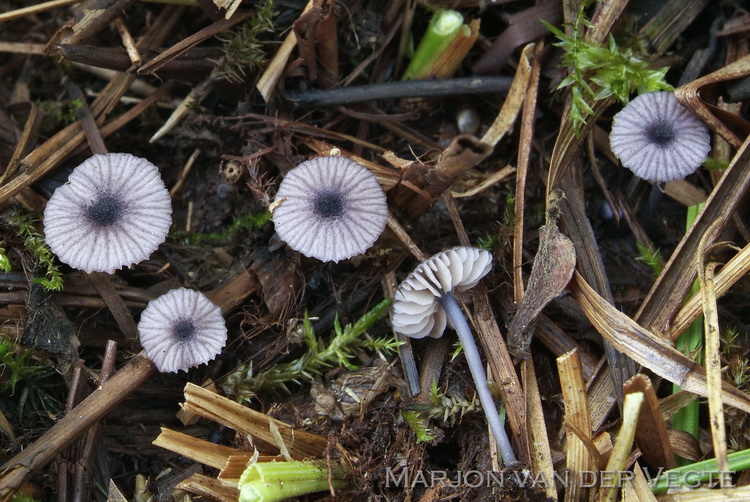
<point x="444" y="27"/>
<point x="338" y="352"/>
<point x="614" y="71"/>
<point x="4" y="260"/>
<point x="18" y="370"/>
<point x="34" y="242"/>
<point x="419" y="425"/>
<point x="242" y="49"/>
<point x="698" y="472"/>
<point x="488" y="242"/>
<point x="272" y="481"/>
<point x="446" y="408"/>
<point x="449" y="408"/>
<point x="652" y="258"/>
<point x="248" y="221"/>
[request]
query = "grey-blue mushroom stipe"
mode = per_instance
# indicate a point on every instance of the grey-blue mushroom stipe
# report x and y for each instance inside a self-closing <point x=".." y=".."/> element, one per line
<point x="330" y="208"/>
<point x="659" y="139"/>
<point x="113" y="212"/>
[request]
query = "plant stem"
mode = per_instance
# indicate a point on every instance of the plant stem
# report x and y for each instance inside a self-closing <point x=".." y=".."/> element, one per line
<point x="453" y="311"/>
<point x="444" y="27"/>
<point x="689" y="343"/>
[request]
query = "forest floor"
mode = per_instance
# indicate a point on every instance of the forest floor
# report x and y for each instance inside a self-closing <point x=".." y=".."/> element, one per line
<point x="487" y="155"/>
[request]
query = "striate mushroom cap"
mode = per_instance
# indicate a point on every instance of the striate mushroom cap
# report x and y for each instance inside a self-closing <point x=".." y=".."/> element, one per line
<point x="330" y="208"/>
<point x="181" y="329"/>
<point x="113" y="211"/>
<point x="659" y="139"/>
<point x="416" y="310"/>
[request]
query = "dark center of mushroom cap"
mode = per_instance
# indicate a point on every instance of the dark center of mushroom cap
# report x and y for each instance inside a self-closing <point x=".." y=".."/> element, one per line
<point x="329" y="204"/>
<point x="183" y="330"/>
<point x="105" y="211"/>
<point x="661" y="133"/>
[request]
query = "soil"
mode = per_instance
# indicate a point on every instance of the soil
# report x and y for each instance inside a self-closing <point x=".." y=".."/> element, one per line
<point x="223" y="161"/>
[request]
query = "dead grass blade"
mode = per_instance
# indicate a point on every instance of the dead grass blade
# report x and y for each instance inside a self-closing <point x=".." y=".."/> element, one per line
<point x="651" y="436"/>
<point x="729" y="126"/>
<point x="618" y="460"/>
<point x="637" y="490"/>
<point x="513" y="101"/>
<point x="734" y="270"/>
<point x="672" y="285"/>
<point x="648" y="349"/>
<point x="577" y="416"/>
<point x="712" y="353"/>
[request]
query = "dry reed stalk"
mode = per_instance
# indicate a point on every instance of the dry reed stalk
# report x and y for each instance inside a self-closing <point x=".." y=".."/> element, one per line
<point x="618" y="460"/>
<point x="299" y="444"/>
<point x="541" y="453"/>
<point x="712" y="356"/>
<point x="505" y="119"/>
<point x="651" y="435"/>
<point x="648" y="349"/>
<point x="578" y="418"/>
<point x="205" y="452"/>
<point x="91" y="17"/>
<point x="212" y="488"/>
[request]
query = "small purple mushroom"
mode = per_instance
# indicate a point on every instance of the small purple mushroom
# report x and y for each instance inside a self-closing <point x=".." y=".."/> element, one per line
<point x="181" y="329"/>
<point x="425" y="302"/>
<point x="114" y="211"/>
<point x="330" y="208"/>
<point x="659" y="139"/>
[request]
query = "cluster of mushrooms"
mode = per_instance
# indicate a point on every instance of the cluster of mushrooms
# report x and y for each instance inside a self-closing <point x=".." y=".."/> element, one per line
<point x="115" y="211"/>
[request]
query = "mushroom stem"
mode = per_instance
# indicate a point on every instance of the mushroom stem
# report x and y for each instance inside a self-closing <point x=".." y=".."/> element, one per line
<point x="453" y="311"/>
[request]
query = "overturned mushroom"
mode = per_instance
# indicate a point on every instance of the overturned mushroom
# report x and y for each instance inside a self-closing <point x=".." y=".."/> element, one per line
<point x="425" y="301"/>
<point x="113" y="212"/>
<point x="330" y="208"/>
<point x="659" y="139"/>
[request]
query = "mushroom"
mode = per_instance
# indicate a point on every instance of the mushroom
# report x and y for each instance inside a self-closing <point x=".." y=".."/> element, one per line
<point x="425" y="301"/>
<point x="181" y="329"/>
<point x="659" y="139"/>
<point x="330" y="208"/>
<point x="113" y="211"/>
